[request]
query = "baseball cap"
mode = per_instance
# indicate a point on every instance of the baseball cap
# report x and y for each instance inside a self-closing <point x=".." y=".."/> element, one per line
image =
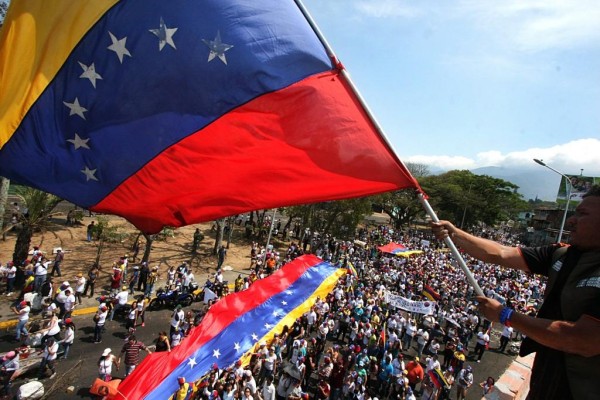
<point x="106" y="352"/>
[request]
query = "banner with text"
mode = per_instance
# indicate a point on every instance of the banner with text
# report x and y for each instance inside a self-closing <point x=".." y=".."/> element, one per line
<point x="419" y="307"/>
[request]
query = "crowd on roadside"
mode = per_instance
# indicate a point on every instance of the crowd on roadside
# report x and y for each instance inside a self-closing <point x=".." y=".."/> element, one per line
<point x="352" y="344"/>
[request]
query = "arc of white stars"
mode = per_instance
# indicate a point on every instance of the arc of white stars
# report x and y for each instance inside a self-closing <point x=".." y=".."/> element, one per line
<point x="192" y="362"/>
<point x="165" y="35"/>
<point x="90" y="174"/>
<point x="217" y="48"/>
<point x="255" y="337"/>
<point x="216" y="353"/>
<point x="79" y="142"/>
<point x="89" y="72"/>
<point x="75" y="108"/>
<point x="237" y="347"/>
<point x="118" y="46"/>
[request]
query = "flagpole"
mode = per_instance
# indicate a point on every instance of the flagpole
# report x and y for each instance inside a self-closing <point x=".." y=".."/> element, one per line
<point x="422" y="199"/>
<point x="269" y="237"/>
<point x="338" y="65"/>
<point x="452" y="247"/>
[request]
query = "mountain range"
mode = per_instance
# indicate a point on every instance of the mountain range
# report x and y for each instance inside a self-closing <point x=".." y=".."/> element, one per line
<point x="532" y="184"/>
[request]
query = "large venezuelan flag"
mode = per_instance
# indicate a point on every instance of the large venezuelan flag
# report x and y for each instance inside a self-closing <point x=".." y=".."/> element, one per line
<point x="176" y="112"/>
<point x="398" y="250"/>
<point x="234" y="326"/>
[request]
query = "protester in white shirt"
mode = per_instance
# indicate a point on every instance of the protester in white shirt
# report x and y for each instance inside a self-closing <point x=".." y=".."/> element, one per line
<point x="49" y="358"/>
<point x="121" y="300"/>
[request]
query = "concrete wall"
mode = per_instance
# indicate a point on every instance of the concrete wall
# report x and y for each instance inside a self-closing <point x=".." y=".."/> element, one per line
<point x="514" y="383"/>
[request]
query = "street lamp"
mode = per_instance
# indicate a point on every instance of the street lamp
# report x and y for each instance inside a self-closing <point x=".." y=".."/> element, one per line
<point x="568" y="186"/>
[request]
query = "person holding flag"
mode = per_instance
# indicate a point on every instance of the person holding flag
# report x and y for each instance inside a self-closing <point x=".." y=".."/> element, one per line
<point x="184" y="391"/>
<point x="565" y="332"/>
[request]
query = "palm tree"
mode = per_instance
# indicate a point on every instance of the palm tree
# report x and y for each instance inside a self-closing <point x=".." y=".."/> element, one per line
<point x="37" y="208"/>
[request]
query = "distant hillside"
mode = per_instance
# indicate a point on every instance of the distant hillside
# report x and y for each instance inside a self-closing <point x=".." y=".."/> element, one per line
<point x="532" y="183"/>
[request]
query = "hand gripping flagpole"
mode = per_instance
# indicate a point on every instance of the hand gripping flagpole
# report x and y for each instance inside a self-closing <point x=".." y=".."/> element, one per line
<point x="452" y="247"/>
<point x="422" y="199"/>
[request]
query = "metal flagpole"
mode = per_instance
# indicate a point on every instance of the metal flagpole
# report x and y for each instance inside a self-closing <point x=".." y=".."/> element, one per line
<point x="365" y="107"/>
<point x="269" y="237"/>
<point x="452" y="247"/>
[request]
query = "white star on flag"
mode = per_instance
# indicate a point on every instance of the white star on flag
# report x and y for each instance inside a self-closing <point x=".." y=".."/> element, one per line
<point x="217" y="48"/>
<point x="89" y="73"/>
<point x="276" y="313"/>
<point x="268" y="326"/>
<point x="118" y="46"/>
<point x="289" y="292"/>
<point x="284" y="303"/>
<point x="254" y="337"/>
<point x="236" y="346"/>
<point x="164" y="34"/>
<point x="78" y="142"/>
<point x="192" y="362"/>
<point x="90" y="174"/>
<point x="216" y="353"/>
<point x="75" y="108"/>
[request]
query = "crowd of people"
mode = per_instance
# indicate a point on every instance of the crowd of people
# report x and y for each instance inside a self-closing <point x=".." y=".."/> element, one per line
<point x="351" y="345"/>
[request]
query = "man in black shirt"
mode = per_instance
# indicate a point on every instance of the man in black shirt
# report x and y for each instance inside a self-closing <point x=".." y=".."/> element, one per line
<point x="565" y="332"/>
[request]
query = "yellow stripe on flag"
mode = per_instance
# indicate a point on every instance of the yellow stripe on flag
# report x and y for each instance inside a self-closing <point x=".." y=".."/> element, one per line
<point x="322" y="291"/>
<point x="36" y="39"/>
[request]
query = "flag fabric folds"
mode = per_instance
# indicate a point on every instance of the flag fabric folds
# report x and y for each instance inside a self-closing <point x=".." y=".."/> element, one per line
<point x="234" y="326"/>
<point x="430" y="293"/>
<point x="352" y="269"/>
<point x="397" y="250"/>
<point x="437" y="378"/>
<point x="172" y="113"/>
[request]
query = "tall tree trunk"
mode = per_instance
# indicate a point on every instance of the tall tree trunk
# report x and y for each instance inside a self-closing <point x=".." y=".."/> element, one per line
<point x="219" y="236"/>
<point x="21" y="251"/>
<point x="99" y="252"/>
<point x="230" y="221"/>
<point x="286" y="228"/>
<point x="4" y="185"/>
<point x="148" y="248"/>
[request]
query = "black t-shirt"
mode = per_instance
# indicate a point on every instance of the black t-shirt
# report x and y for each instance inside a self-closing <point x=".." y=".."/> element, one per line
<point x="573" y="290"/>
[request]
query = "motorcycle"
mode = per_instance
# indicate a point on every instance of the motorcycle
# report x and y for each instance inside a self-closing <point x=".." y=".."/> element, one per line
<point x="219" y="289"/>
<point x="110" y="302"/>
<point x="166" y="297"/>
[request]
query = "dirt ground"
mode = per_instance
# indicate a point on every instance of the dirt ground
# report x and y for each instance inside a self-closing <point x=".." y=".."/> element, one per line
<point x="81" y="254"/>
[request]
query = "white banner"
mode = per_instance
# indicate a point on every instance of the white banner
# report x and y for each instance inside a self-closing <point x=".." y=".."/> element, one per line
<point x="419" y="307"/>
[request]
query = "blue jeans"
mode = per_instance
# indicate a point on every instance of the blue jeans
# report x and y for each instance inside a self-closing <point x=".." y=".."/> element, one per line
<point x="21" y="328"/>
<point x="98" y="333"/>
<point x="38" y="281"/>
<point x="10" y="284"/>
<point x="116" y="307"/>
<point x="149" y="290"/>
<point x="67" y="347"/>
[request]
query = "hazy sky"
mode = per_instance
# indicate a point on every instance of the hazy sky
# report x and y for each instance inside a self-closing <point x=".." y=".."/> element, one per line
<point x="468" y="83"/>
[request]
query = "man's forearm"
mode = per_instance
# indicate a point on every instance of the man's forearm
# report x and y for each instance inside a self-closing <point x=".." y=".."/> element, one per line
<point x="579" y="337"/>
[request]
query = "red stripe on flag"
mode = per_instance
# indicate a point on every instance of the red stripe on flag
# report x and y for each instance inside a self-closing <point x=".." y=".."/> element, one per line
<point x="307" y="143"/>
<point x="223" y="313"/>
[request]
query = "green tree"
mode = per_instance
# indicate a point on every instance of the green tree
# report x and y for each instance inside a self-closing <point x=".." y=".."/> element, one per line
<point x="105" y="233"/>
<point x="467" y="199"/>
<point x="38" y="207"/>
<point x="402" y="206"/>
<point x="337" y="218"/>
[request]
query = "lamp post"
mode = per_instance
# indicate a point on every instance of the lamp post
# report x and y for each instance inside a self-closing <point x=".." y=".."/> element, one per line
<point x="568" y="186"/>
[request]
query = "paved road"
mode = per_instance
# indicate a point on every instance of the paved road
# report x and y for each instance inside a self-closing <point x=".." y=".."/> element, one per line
<point x="81" y="376"/>
<point x="80" y="369"/>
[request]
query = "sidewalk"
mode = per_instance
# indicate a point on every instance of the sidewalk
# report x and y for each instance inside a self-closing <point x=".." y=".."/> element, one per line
<point x="89" y="306"/>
